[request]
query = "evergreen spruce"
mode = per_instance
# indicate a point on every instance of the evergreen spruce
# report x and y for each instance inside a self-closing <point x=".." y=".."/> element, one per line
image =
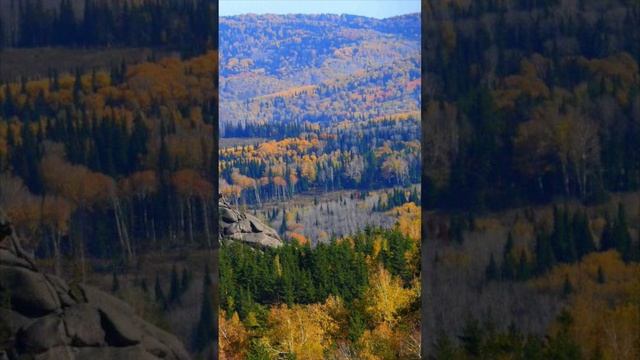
<point x="508" y="269"/>
<point x="523" y="267"/>
<point x="456" y="229"/>
<point x="621" y="236"/>
<point x="186" y="280"/>
<point x="562" y="237"/>
<point x="159" y="293"/>
<point x="471" y="338"/>
<point x="601" y="277"/>
<point x="175" y="289"/>
<point x="544" y="254"/>
<point x="561" y="345"/>
<point x="582" y="234"/>
<point x="115" y="283"/>
<point x="204" y="332"/>
<point x="567" y="286"/>
<point x="283" y="225"/>
<point x="606" y="238"/>
<point x="357" y="324"/>
<point x="443" y="347"/>
<point x="144" y="286"/>
<point x="491" y="272"/>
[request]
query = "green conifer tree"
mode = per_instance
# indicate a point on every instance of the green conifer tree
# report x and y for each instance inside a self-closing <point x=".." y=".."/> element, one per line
<point x="204" y="332"/>
<point x="115" y="283"/>
<point x="472" y="337"/>
<point x="491" y="272"/>
<point x="601" y="277"/>
<point x="175" y="289"/>
<point x="582" y="234"/>
<point x="186" y="280"/>
<point x="567" y="286"/>
<point x="544" y="254"/>
<point x="621" y="236"/>
<point x="508" y="269"/>
<point x="606" y="238"/>
<point x="524" y="272"/>
<point x="159" y="293"/>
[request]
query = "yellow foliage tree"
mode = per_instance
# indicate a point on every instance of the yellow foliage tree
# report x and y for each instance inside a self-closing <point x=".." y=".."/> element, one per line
<point x="386" y="297"/>
<point x="233" y="340"/>
<point x="604" y="303"/>
<point x="304" y="331"/>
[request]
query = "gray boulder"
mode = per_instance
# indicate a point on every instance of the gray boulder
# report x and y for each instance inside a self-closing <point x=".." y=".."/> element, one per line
<point x="47" y="319"/>
<point x="245" y="228"/>
<point x="83" y="326"/>
<point x="43" y="334"/>
<point x="30" y="292"/>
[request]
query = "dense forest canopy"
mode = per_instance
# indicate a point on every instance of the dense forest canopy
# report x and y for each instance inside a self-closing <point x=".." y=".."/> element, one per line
<point x="337" y="97"/>
<point x="188" y="26"/>
<point x="81" y="142"/>
<point x="319" y="68"/>
<point x="530" y="100"/>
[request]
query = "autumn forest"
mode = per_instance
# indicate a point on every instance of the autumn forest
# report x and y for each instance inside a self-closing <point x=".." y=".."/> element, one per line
<point x="530" y="182"/>
<point x="319" y="124"/>
<point x="452" y="184"/>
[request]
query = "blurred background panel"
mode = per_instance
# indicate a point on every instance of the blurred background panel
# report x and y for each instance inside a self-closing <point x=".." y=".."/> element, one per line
<point x="530" y="179"/>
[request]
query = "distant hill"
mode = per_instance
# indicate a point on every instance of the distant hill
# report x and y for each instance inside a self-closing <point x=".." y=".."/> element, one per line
<point x="317" y="67"/>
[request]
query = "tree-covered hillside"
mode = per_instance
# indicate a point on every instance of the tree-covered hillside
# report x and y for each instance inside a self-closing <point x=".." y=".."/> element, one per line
<point x="317" y="67"/>
<point x="530" y="100"/>
<point x="531" y="125"/>
<point x="319" y="104"/>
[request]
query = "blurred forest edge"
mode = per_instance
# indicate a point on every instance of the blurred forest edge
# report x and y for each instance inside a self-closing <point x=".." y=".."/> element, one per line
<point x="319" y="118"/>
<point x="16" y="63"/>
<point x="187" y="26"/>
<point x="531" y="125"/>
<point x="40" y="36"/>
<point x="106" y="155"/>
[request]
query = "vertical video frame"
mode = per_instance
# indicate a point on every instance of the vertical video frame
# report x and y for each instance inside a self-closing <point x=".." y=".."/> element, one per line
<point x="320" y="169"/>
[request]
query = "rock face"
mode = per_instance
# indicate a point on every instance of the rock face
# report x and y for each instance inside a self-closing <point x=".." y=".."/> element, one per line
<point x="43" y="318"/>
<point x="246" y="228"/>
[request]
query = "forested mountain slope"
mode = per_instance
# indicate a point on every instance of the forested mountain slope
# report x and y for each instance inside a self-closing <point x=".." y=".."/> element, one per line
<point x="276" y="67"/>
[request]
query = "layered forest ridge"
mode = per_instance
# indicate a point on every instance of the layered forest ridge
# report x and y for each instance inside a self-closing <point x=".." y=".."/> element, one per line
<point x="317" y="68"/>
<point x="320" y="112"/>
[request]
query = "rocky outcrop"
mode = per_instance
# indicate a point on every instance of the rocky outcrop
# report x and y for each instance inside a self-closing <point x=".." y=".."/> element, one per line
<point x="43" y="318"/>
<point x="239" y="226"/>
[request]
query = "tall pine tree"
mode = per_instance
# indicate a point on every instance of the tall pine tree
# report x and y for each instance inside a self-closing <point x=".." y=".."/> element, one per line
<point x="204" y="332"/>
<point x="621" y="236"/>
